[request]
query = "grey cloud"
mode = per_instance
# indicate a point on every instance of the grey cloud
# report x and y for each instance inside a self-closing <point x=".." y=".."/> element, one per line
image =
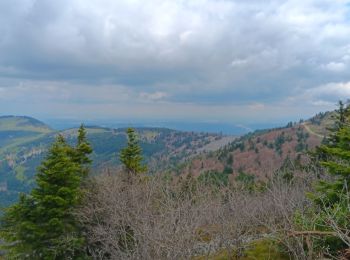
<point x="194" y="52"/>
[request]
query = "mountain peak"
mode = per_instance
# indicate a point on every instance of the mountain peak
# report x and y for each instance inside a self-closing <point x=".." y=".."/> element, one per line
<point x="22" y="123"/>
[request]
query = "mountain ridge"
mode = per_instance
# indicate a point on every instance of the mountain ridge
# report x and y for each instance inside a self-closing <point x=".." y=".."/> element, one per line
<point x="257" y="154"/>
<point x="263" y="152"/>
<point x="21" y="154"/>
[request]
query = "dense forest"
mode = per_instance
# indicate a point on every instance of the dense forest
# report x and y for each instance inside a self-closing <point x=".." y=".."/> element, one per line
<point x="299" y="212"/>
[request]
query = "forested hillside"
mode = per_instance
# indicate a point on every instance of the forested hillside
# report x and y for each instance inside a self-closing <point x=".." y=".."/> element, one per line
<point x="261" y="153"/>
<point x="24" y="142"/>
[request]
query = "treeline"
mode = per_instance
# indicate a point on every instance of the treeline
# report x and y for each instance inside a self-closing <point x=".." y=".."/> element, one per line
<point x="133" y="215"/>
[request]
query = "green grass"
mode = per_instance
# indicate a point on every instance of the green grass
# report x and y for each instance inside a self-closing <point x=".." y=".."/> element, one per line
<point x="263" y="249"/>
<point x="96" y="130"/>
<point x="22" y="124"/>
<point x="326" y="123"/>
<point x="20" y="173"/>
<point x="17" y="143"/>
<point x="150" y="135"/>
<point x="32" y="130"/>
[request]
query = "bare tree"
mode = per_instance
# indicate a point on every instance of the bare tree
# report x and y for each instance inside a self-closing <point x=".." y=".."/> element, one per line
<point x="156" y="218"/>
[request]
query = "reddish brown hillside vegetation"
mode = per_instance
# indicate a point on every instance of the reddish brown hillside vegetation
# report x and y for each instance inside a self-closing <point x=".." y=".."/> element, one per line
<point x="259" y="154"/>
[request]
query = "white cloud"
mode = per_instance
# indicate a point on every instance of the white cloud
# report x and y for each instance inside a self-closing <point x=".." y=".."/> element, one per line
<point x="239" y="63"/>
<point x="335" y="66"/>
<point x="322" y="103"/>
<point x="324" y="97"/>
<point x="154" y="96"/>
<point x="257" y="106"/>
<point x="185" y="37"/>
<point x="337" y="90"/>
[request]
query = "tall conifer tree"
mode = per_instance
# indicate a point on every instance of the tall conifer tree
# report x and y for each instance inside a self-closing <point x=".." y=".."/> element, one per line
<point x="42" y="225"/>
<point x="334" y="157"/>
<point x="332" y="193"/>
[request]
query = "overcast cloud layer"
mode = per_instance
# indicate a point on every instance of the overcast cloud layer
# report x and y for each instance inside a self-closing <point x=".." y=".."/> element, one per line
<point x="233" y="61"/>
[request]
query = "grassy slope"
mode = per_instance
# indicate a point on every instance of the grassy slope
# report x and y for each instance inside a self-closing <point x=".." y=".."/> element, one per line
<point x="17" y="131"/>
<point x="21" y="123"/>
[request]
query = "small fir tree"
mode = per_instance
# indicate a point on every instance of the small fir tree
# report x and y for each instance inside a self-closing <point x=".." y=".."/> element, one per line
<point x="82" y="151"/>
<point x="131" y="155"/>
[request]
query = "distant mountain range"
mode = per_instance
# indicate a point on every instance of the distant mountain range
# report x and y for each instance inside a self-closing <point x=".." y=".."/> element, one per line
<point x="208" y="127"/>
<point x="24" y="142"/>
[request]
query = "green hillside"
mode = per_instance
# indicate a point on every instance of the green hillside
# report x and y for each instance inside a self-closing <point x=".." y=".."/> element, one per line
<point x="19" y="130"/>
<point x="23" y="123"/>
<point x="24" y="142"/>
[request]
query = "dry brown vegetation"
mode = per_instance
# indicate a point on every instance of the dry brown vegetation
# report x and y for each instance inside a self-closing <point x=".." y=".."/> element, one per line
<point x="158" y="218"/>
<point x="260" y="154"/>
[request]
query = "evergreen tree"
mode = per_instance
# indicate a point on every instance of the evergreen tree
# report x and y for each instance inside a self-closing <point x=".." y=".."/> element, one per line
<point x="82" y="151"/>
<point x="341" y="112"/>
<point x="42" y="225"/>
<point x="131" y="155"/>
<point x="334" y="156"/>
<point x="331" y="196"/>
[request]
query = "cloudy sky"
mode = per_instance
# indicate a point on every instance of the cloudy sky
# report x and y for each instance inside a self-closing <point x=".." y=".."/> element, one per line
<point x="236" y="61"/>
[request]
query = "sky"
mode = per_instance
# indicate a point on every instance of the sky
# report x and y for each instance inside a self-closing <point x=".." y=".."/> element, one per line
<point x="214" y="61"/>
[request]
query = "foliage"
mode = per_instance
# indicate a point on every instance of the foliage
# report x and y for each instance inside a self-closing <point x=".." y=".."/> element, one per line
<point x="327" y="222"/>
<point x="163" y="149"/>
<point x="265" y="249"/>
<point x="279" y="141"/>
<point x="229" y="160"/>
<point x="82" y="151"/>
<point x="334" y="157"/>
<point x="301" y="138"/>
<point x="131" y="155"/>
<point x="330" y="209"/>
<point x="214" y="178"/>
<point x="247" y="180"/>
<point x="260" y="249"/>
<point x="42" y="225"/>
